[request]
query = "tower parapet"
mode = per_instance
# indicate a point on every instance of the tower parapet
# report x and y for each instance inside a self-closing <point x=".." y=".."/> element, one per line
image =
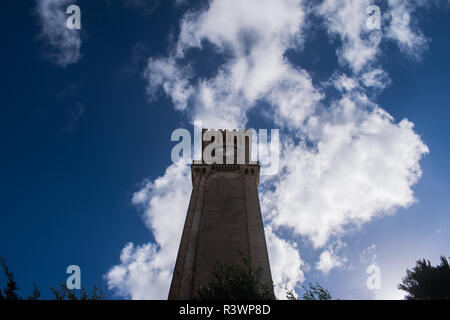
<point x="223" y="146"/>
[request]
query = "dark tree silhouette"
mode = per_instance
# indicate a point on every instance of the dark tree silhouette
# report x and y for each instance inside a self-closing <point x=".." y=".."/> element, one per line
<point x="9" y="292"/>
<point x="312" y="292"/>
<point x="232" y="281"/>
<point x="427" y="282"/>
<point x="63" y="293"/>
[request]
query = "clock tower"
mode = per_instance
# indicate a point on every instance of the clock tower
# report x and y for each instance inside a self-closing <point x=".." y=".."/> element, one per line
<point x="224" y="216"/>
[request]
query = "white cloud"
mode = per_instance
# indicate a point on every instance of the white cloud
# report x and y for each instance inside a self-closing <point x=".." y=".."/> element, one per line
<point x="141" y="273"/>
<point x="361" y="45"/>
<point x="363" y="165"/>
<point x="256" y="34"/>
<point x="243" y="27"/>
<point x="285" y="263"/>
<point x="174" y="80"/>
<point x="145" y="271"/>
<point x="329" y="260"/>
<point x="410" y="40"/>
<point x="64" y="44"/>
<point x="376" y="78"/>
<point x="342" y="164"/>
<point x="347" y="19"/>
<point x="368" y="255"/>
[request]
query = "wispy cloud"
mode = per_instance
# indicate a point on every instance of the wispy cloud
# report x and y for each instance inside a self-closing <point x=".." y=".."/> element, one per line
<point x="62" y="46"/>
<point x="285" y="263"/>
<point x="145" y="271"/>
<point x="360" y="45"/>
<point x="145" y="6"/>
<point x="329" y="260"/>
<point x="368" y="255"/>
<point x="74" y="116"/>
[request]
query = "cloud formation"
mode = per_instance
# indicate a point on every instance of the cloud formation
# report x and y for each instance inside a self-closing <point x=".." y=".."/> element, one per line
<point x="285" y="263"/>
<point x="344" y="160"/>
<point x="145" y="271"/>
<point x="63" y="45"/>
<point x="255" y="35"/>
<point x="361" y="45"/>
<point x="74" y="116"/>
<point x="330" y="259"/>
<point x="363" y="165"/>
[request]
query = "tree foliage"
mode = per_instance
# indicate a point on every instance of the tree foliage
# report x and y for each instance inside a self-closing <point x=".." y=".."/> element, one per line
<point x="9" y="292"/>
<point x="232" y="281"/>
<point x="312" y="292"/>
<point x="63" y="293"/>
<point x="427" y="282"/>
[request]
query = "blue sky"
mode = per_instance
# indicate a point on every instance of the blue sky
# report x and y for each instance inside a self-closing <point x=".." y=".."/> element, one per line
<point x="81" y="140"/>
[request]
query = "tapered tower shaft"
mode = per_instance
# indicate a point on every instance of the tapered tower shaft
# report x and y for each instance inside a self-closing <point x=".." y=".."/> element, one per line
<point x="223" y="220"/>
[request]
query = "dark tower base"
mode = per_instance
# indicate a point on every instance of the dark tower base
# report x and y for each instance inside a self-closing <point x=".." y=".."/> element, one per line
<point x="223" y="219"/>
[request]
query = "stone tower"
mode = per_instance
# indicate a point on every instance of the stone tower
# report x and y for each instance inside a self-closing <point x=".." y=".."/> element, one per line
<point x="224" y="215"/>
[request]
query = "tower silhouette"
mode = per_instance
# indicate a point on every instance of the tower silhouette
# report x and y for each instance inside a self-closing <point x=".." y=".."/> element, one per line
<point x="224" y="218"/>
